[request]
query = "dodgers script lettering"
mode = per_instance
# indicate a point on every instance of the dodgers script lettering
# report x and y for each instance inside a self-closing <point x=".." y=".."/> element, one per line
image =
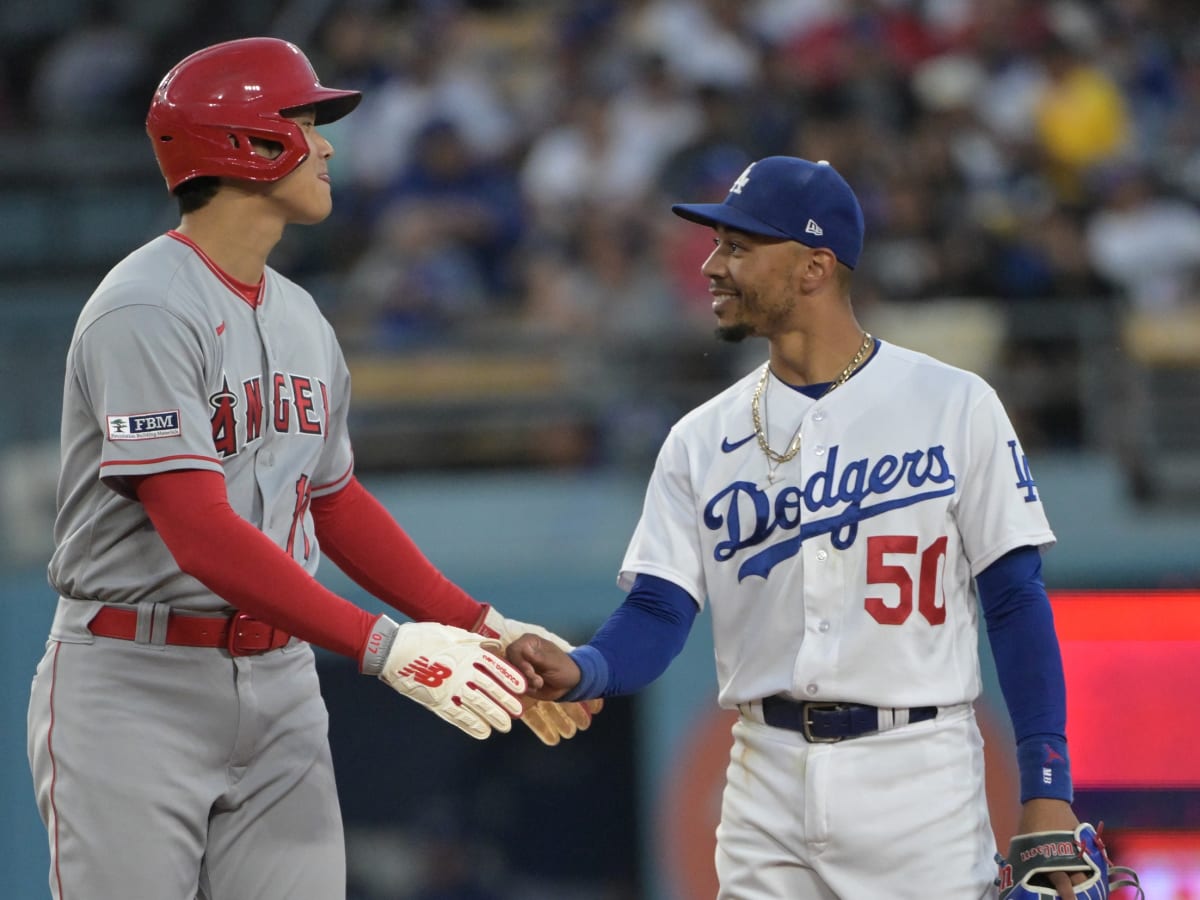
<point x="847" y="487"/>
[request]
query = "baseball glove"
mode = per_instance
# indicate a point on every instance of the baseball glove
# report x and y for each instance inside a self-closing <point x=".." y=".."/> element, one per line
<point x="551" y="722"/>
<point x="1031" y="857"/>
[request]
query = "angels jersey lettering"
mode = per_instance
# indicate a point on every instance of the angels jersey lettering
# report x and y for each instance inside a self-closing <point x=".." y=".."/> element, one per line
<point x="257" y="390"/>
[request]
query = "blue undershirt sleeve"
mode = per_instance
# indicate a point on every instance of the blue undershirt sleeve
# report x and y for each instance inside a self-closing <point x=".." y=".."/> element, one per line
<point x="637" y="642"/>
<point x="1020" y="628"/>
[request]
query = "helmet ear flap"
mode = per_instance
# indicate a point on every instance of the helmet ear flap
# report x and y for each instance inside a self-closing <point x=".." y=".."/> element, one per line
<point x="270" y="149"/>
<point x="196" y="151"/>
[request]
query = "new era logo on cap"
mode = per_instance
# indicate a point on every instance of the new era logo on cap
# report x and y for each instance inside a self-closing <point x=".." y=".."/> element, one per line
<point x="790" y="198"/>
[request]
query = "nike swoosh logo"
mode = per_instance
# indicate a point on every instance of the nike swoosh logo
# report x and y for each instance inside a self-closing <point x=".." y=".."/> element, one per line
<point x="728" y="447"/>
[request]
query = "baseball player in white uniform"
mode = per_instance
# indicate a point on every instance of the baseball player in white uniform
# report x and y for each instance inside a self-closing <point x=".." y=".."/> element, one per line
<point x="177" y="735"/>
<point x="845" y="510"/>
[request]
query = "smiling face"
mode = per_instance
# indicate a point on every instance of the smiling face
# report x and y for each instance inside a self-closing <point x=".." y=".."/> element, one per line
<point x="755" y="282"/>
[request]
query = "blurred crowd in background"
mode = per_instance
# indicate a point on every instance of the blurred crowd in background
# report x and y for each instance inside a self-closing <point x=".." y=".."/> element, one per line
<point x="510" y="170"/>
<point x="512" y="290"/>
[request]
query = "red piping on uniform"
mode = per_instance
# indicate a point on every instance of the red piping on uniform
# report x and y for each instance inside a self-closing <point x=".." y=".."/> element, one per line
<point x="340" y="478"/>
<point x="146" y="462"/>
<point x="54" y="768"/>
<point x="251" y="293"/>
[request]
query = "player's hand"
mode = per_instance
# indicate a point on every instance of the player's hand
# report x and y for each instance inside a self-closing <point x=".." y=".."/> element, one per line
<point x="456" y="674"/>
<point x="1045" y="814"/>
<point x="551" y="722"/>
<point x="548" y="669"/>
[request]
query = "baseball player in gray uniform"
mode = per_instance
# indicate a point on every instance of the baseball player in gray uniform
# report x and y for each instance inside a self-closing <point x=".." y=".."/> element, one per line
<point x="846" y="509"/>
<point x="177" y="734"/>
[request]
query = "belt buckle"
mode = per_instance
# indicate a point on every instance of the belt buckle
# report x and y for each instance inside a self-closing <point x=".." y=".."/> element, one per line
<point x="233" y="641"/>
<point x="806" y="723"/>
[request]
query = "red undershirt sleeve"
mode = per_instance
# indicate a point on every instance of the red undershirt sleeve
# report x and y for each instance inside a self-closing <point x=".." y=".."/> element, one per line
<point x="358" y="533"/>
<point x="241" y="565"/>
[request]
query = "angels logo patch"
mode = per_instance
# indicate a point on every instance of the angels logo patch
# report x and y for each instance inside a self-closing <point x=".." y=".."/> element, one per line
<point x="143" y="426"/>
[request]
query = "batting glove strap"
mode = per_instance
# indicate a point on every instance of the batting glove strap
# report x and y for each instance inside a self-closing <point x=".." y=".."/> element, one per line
<point x="379" y="645"/>
<point x="495" y="625"/>
<point x="457" y="675"/>
<point x="490" y="624"/>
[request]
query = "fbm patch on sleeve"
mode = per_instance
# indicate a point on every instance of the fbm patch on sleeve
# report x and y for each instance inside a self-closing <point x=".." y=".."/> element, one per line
<point x="144" y="426"/>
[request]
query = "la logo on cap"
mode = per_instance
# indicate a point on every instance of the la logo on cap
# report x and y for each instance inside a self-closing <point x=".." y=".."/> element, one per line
<point x="788" y="198"/>
<point x="742" y="180"/>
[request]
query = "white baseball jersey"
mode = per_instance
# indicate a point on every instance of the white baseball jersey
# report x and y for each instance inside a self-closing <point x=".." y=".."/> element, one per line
<point x="851" y="577"/>
<point x="171" y="367"/>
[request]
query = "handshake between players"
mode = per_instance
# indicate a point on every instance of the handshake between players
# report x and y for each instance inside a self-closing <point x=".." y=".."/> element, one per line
<point x="463" y="677"/>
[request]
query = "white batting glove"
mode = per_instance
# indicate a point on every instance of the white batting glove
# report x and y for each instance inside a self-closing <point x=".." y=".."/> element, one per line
<point x="455" y="673"/>
<point x="550" y="721"/>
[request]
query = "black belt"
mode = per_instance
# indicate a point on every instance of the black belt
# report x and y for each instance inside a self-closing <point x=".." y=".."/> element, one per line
<point x="828" y="723"/>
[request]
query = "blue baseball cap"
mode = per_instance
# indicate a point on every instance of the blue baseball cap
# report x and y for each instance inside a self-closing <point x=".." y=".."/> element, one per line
<point x="789" y="198"/>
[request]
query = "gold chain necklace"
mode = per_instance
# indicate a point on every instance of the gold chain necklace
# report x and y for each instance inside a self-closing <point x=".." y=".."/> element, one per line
<point x="760" y="389"/>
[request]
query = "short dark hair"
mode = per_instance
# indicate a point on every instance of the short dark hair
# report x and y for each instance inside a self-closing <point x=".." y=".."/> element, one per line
<point x="195" y="193"/>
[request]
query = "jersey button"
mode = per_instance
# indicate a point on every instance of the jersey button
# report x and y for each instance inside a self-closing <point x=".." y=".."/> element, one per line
<point x="810" y="689"/>
<point x="823" y="627"/>
<point x="819" y="449"/>
<point x="822" y="555"/>
<point x="267" y="458"/>
<point x="819" y="415"/>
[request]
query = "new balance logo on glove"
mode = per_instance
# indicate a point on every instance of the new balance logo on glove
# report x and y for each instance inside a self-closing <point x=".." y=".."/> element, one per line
<point x="456" y="674"/>
<point x="425" y="672"/>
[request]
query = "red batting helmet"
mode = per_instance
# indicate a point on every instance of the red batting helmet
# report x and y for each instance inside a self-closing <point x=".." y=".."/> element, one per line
<point x="208" y="107"/>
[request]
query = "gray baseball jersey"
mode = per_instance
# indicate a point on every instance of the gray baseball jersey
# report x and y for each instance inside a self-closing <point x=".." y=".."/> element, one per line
<point x="170" y="367"/>
<point x="200" y="762"/>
